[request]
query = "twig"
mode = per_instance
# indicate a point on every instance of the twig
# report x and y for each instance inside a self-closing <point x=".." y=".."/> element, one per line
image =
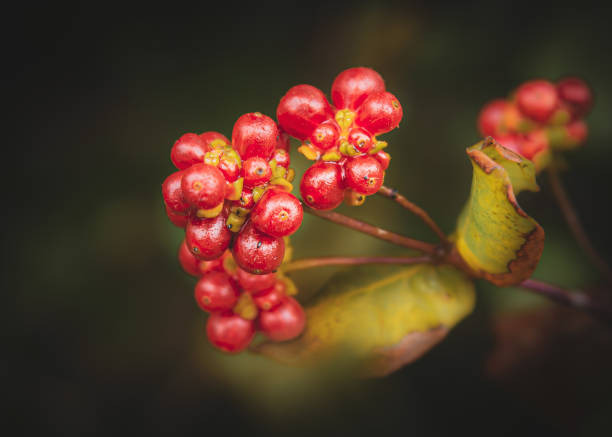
<point x="392" y="193"/>
<point x="308" y="263"/>
<point x="575" y="225"/>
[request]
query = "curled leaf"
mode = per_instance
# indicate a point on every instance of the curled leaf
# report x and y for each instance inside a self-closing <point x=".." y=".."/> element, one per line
<point x="494" y="236"/>
<point x="379" y="318"/>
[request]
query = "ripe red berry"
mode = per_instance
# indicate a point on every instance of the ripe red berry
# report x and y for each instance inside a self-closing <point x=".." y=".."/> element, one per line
<point x="215" y="291"/>
<point x="383" y="158"/>
<point x="364" y="174"/>
<point x="203" y="186"/>
<point x="254" y="283"/>
<point x="577" y="94"/>
<point x="209" y="137"/>
<point x="173" y="194"/>
<point x="277" y="213"/>
<point x="229" y="167"/>
<point x="537" y="99"/>
<point x="257" y="252"/>
<point x="322" y="187"/>
<point x="325" y="135"/>
<point x="511" y="141"/>
<point x="284" y="322"/>
<point x="188" y="150"/>
<point x="302" y="109"/>
<point x="379" y="113"/>
<point x="491" y="117"/>
<point x="229" y="332"/>
<point x="246" y="199"/>
<point x="207" y="238"/>
<point x="360" y="139"/>
<point x="534" y="143"/>
<point x="177" y="219"/>
<point x="255" y="134"/>
<point x="354" y="85"/>
<point x="577" y="131"/>
<point x="270" y="297"/>
<point x="188" y="261"/>
<point x="256" y="172"/>
<point x="282" y="158"/>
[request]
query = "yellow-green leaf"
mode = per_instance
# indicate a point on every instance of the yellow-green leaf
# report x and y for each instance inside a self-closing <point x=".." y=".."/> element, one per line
<point x="494" y="236"/>
<point x="379" y="318"/>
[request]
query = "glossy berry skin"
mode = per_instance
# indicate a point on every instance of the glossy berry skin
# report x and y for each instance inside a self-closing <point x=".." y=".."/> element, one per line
<point x="230" y="168"/>
<point x="537" y="99"/>
<point x="246" y="199"/>
<point x="173" y="193"/>
<point x="284" y="322"/>
<point x="255" y="134"/>
<point x="325" y="135"/>
<point x="577" y="94"/>
<point x="203" y="186"/>
<point x="491" y="118"/>
<point x="229" y="332"/>
<point x="207" y="238"/>
<point x="277" y="213"/>
<point x="210" y="136"/>
<point x="254" y="283"/>
<point x="282" y="158"/>
<point x="360" y="139"/>
<point x="188" y="150"/>
<point x="256" y="171"/>
<point x="354" y="85"/>
<point x="302" y="109"/>
<point x="364" y="174"/>
<point x="380" y="113"/>
<point x="188" y="261"/>
<point x="383" y="158"/>
<point x="177" y="219"/>
<point x="322" y="187"/>
<point x="215" y="291"/>
<point x="270" y="297"/>
<point x="257" y="252"/>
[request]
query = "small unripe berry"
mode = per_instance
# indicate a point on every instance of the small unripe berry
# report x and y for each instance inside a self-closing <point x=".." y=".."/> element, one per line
<point x="364" y="174"/>
<point x="188" y="261"/>
<point x="284" y="322"/>
<point x="203" y="186"/>
<point x="254" y="283"/>
<point x="577" y="94"/>
<point x="257" y="252"/>
<point x="354" y="85"/>
<point x="491" y="117"/>
<point x="256" y="172"/>
<point x="537" y="99"/>
<point x="360" y="139"/>
<point x="207" y="238"/>
<point x="277" y="213"/>
<point x="173" y="193"/>
<point x="322" y="187"/>
<point x="215" y="291"/>
<point x="282" y="158"/>
<point x="379" y="113"/>
<point x="188" y="150"/>
<point x="325" y="135"/>
<point x="270" y="297"/>
<point x="255" y="134"/>
<point x="229" y="332"/>
<point x="301" y="110"/>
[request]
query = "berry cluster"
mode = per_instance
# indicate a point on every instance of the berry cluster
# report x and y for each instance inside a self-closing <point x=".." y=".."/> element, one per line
<point x="241" y="303"/>
<point x="539" y="116"/>
<point x="341" y="138"/>
<point x="238" y="191"/>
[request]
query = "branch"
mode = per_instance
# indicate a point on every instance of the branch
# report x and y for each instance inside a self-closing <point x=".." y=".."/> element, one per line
<point x="569" y="213"/>
<point x="309" y="263"/>
<point x="374" y="231"/>
<point x="392" y="193"/>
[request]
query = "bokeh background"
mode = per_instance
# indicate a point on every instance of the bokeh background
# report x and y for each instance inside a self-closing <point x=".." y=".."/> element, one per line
<point x="101" y="334"/>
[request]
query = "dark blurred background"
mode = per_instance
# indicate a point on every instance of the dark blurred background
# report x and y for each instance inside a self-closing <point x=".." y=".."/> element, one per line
<point x="101" y="334"/>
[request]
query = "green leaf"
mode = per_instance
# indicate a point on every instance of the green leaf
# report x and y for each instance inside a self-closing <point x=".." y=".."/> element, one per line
<point x="494" y="236"/>
<point x="379" y="318"/>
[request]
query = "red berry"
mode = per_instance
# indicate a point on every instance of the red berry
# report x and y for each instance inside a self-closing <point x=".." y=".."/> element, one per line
<point x="322" y="187"/>
<point x="302" y="109"/>
<point x="513" y="142"/>
<point x="277" y="213"/>
<point x="209" y="137"/>
<point x="256" y="172"/>
<point x="188" y="150"/>
<point x="207" y="238"/>
<point x="364" y="174"/>
<point x="325" y="135"/>
<point x="284" y="322"/>
<point x="246" y="199"/>
<point x="383" y="158"/>
<point x="360" y="139"/>
<point x="353" y="86"/>
<point x="577" y="131"/>
<point x="229" y="332"/>
<point x="537" y="99"/>
<point x="534" y="143"/>
<point x="177" y="219"/>
<point x="215" y="265"/>
<point x="270" y="297"/>
<point x="255" y="283"/>
<point x="173" y="194"/>
<point x="188" y="261"/>
<point x="257" y="252"/>
<point x="215" y="291"/>
<point x="229" y="167"/>
<point x="491" y="117"/>
<point x="282" y="158"/>
<point x="203" y="186"/>
<point x="380" y="113"/>
<point x="577" y="94"/>
<point x="255" y="134"/>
